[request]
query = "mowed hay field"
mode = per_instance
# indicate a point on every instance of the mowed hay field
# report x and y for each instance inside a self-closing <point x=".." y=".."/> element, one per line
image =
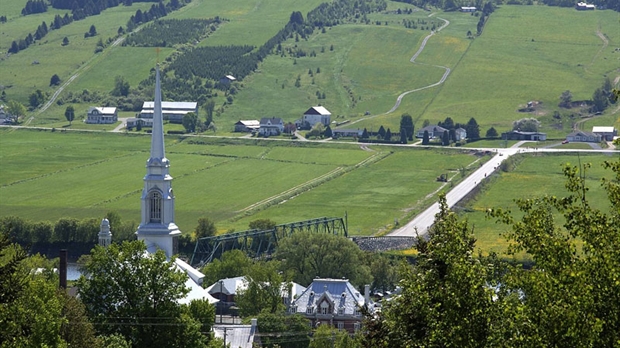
<point x="535" y="176"/>
<point x="530" y="53"/>
<point x="48" y="175"/>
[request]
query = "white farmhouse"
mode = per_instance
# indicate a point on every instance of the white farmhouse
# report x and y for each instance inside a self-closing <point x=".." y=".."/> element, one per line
<point x="314" y="115"/>
<point x="101" y="115"/>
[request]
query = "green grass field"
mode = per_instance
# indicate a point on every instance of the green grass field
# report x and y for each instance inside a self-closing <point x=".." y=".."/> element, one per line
<point x="48" y="175"/>
<point x="535" y="176"/>
<point x="525" y="53"/>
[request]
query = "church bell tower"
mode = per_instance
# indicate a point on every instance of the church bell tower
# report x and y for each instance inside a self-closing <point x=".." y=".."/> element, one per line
<point x="157" y="228"/>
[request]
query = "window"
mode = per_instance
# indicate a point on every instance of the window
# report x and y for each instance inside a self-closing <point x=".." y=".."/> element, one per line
<point x="293" y="309"/>
<point x="356" y="327"/>
<point x="341" y="311"/>
<point x="324" y="307"/>
<point x="310" y="310"/>
<point x="155" y="206"/>
<point x="357" y="312"/>
<point x="340" y="325"/>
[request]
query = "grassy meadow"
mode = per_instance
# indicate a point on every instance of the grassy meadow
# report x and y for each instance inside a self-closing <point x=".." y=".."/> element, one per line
<point x="534" y="176"/>
<point x="48" y="175"/>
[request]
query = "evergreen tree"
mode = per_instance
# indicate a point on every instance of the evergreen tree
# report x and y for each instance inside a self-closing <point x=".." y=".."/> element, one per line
<point x="472" y="129"/>
<point x="425" y="139"/>
<point x="381" y="132"/>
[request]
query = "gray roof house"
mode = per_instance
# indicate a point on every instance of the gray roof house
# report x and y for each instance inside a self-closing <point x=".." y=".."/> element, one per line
<point x="433" y="132"/>
<point x="332" y="301"/>
<point x="582" y="136"/>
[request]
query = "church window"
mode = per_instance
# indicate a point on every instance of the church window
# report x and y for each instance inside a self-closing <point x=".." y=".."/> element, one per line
<point x="155" y="207"/>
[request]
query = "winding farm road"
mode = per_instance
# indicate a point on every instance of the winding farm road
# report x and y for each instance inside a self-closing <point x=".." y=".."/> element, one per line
<point x="412" y="60"/>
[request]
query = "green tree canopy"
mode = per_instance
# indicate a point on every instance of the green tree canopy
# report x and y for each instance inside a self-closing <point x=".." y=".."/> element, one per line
<point x="121" y="87"/>
<point x="55" y="80"/>
<point x="190" y="121"/>
<point x="15" y="109"/>
<point x="492" y="133"/>
<point x="233" y="263"/>
<point x="70" y="114"/>
<point x="263" y="292"/>
<point x="309" y="255"/>
<point x="136" y="294"/>
<point x="406" y="126"/>
<point x="206" y="228"/>
<point x="472" y="129"/>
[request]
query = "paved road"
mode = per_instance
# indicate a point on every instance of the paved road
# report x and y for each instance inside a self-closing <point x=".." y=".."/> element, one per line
<point x="425" y="219"/>
<point x="120" y="127"/>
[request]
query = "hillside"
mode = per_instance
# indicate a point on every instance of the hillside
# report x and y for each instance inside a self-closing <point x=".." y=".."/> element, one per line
<point x="525" y="53"/>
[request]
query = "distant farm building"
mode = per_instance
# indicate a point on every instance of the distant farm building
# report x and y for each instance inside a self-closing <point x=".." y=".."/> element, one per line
<point x="103" y="115"/>
<point x="347" y="133"/>
<point x="468" y="9"/>
<point x="433" y="132"/>
<point x="518" y="135"/>
<point x="172" y="111"/>
<point x="460" y="134"/>
<point x="314" y="115"/>
<point x="247" y="126"/>
<point x="582" y="6"/>
<point x="227" y="80"/>
<point x="606" y="133"/>
<point x="271" y="126"/>
<point x="583" y="137"/>
<point x="142" y="122"/>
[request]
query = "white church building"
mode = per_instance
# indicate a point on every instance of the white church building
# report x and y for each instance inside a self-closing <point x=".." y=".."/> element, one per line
<point x="157" y="228"/>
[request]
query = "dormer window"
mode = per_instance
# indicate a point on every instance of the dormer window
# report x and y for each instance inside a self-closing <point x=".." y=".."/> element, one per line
<point x="155" y="206"/>
<point x="324" y="307"/>
<point x="310" y="310"/>
<point x="341" y="311"/>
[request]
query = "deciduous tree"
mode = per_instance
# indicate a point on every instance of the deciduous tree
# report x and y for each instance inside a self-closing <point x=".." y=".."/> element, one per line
<point x="70" y="114"/>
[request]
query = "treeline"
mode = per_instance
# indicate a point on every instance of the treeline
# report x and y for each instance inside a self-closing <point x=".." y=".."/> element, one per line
<point x="167" y="33"/>
<point x="34" y="6"/>
<point x="155" y="12"/>
<point x="65" y="230"/>
<point x="41" y="31"/>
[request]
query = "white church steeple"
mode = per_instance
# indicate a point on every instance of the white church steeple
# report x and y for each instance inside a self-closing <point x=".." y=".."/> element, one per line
<point x="157" y="228"/>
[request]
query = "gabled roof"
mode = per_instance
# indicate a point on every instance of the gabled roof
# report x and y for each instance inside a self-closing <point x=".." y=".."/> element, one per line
<point x="317" y="110"/>
<point x="601" y="129"/>
<point x="433" y="129"/>
<point x="272" y="120"/>
<point x="582" y="134"/>
<point x="229" y="286"/>
<point x="103" y="110"/>
<point x="337" y="291"/>
<point x="248" y="123"/>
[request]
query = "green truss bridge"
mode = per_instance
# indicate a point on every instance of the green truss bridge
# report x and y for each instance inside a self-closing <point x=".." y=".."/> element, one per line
<point x="261" y="243"/>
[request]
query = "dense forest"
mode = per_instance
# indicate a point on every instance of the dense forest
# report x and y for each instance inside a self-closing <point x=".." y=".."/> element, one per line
<point x="167" y="33"/>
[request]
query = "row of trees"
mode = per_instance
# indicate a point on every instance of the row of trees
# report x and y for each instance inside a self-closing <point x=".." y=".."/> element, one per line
<point x="170" y="32"/>
<point x="601" y="98"/>
<point x="65" y="230"/>
<point x="569" y="297"/>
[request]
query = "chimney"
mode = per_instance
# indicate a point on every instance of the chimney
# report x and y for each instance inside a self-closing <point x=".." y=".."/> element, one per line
<point x="63" y="268"/>
<point x="366" y="294"/>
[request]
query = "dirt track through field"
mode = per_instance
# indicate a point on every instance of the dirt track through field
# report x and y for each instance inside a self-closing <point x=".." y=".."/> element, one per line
<point x="412" y="60"/>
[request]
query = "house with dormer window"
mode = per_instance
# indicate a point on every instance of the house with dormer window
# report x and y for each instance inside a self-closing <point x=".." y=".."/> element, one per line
<point x="335" y="302"/>
<point x="271" y="126"/>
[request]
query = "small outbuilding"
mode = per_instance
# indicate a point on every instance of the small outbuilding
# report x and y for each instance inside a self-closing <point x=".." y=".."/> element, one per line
<point x="247" y="126"/>
<point x="606" y="133"/>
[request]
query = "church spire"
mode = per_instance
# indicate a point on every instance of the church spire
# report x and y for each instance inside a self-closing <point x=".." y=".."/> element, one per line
<point x="157" y="228"/>
<point x="157" y="139"/>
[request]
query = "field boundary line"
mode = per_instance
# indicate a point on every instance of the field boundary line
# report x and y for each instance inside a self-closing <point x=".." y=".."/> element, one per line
<point x="308" y="185"/>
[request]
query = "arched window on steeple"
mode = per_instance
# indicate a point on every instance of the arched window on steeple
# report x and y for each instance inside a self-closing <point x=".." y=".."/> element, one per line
<point x="155" y="206"/>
